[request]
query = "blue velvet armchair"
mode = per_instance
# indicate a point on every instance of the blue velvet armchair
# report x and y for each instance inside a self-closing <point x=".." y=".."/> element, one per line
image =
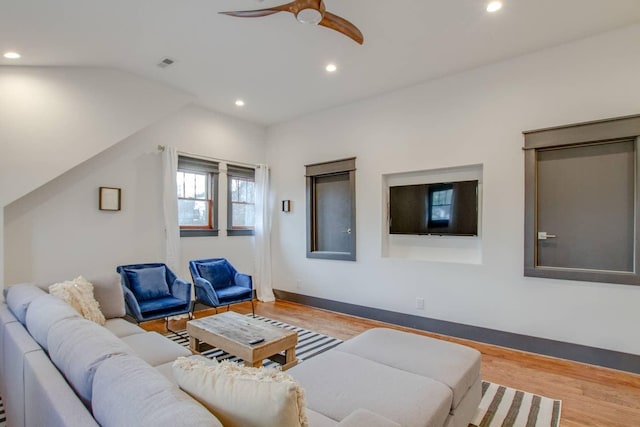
<point x="217" y="283"/>
<point x="153" y="291"/>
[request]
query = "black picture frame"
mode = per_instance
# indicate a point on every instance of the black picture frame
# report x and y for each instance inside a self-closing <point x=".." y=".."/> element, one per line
<point x="110" y="199"/>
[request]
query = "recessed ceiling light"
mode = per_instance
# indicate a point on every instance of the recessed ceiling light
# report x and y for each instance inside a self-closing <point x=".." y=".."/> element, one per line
<point x="494" y="6"/>
<point x="12" y="55"/>
<point x="239" y="103"/>
<point x="331" y="68"/>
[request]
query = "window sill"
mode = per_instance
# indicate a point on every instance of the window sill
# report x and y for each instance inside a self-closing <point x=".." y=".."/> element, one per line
<point x="237" y="232"/>
<point x="197" y="232"/>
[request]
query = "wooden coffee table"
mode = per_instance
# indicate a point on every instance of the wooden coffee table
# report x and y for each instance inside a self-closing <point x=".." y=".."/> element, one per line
<point x="232" y="333"/>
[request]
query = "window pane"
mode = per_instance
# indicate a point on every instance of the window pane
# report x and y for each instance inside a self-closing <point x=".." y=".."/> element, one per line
<point x="242" y="190"/>
<point x="250" y="215"/>
<point x="234" y="190"/>
<point x="193" y="213"/>
<point x="180" y="183"/>
<point x="189" y="185"/>
<point x="238" y="215"/>
<point x="242" y="200"/>
<point x="201" y="186"/>
<point x="251" y="192"/>
<point x="243" y="215"/>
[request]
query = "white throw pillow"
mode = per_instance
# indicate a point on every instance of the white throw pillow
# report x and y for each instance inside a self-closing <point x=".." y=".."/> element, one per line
<point x="241" y="396"/>
<point x="79" y="294"/>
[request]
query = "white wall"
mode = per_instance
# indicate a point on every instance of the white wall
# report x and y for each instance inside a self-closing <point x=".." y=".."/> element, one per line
<point x="472" y="118"/>
<point x="53" y="118"/>
<point x="57" y="231"/>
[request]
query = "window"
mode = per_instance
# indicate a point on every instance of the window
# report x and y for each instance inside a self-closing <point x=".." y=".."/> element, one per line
<point x="331" y="210"/>
<point x="197" y="182"/>
<point x="241" y="201"/>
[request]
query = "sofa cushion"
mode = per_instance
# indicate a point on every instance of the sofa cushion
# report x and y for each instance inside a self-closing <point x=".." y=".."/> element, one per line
<point x="77" y="347"/>
<point x="19" y="297"/>
<point x="240" y="396"/>
<point x="166" y="369"/>
<point x="45" y="311"/>
<point x="160" y="304"/>
<point x="17" y="343"/>
<point x="121" y="328"/>
<point x="233" y="293"/>
<point x="107" y="290"/>
<point x="362" y="417"/>
<point x="452" y="364"/>
<point x="148" y="283"/>
<point x="217" y="273"/>
<point x="155" y="349"/>
<point x="316" y="419"/>
<point x="338" y="383"/>
<point x="129" y="392"/>
<point x="50" y="402"/>
<point x="6" y="318"/>
<point x="78" y="293"/>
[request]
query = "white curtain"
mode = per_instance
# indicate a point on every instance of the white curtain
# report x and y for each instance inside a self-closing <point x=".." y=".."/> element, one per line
<point x="262" y="238"/>
<point x="170" y="208"/>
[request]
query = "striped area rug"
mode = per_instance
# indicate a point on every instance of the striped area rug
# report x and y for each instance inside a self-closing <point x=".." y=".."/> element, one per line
<point x="508" y="407"/>
<point x="309" y="343"/>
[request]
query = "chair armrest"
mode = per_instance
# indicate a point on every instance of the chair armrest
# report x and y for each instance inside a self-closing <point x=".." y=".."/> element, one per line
<point x="243" y="280"/>
<point x="364" y="417"/>
<point x="131" y="304"/>
<point x="181" y="289"/>
<point x="205" y="292"/>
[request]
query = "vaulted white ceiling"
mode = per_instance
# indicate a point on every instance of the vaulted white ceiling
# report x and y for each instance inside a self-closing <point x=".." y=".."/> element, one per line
<point x="275" y="64"/>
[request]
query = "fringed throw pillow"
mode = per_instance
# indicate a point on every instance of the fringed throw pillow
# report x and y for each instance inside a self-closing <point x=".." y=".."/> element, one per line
<point x="79" y="294"/>
<point x="241" y="396"/>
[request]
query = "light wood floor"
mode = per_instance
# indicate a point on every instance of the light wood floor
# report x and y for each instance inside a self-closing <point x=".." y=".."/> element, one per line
<point x="591" y="395"/>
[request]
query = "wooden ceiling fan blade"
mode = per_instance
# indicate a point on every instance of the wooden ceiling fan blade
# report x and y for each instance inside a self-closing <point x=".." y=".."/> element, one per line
<point x="260" y="12"/>
<point x="343" y="26"/>
<point x="251" y="13"/>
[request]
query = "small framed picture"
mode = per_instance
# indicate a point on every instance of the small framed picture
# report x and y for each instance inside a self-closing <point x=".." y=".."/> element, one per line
<point x="110" y="199"/>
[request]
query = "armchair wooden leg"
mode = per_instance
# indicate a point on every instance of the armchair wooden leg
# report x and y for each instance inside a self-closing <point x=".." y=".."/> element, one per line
<point x="253" y="311"/>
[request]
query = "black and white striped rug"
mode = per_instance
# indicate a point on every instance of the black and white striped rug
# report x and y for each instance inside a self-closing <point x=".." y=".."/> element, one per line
<point x="508" y="407"/>
<point x="309" y="343"/>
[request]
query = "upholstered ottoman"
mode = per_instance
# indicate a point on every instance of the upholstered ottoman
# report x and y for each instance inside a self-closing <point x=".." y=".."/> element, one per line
<point x="337" y="384"/>
<point x="454" y="365"/>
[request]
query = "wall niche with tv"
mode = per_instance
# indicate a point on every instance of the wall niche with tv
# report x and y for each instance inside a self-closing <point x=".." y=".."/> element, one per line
<point x="433" y="215"/>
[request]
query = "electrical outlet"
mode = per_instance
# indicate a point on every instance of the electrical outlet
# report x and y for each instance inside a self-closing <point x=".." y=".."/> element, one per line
<point x="420" y="303"/>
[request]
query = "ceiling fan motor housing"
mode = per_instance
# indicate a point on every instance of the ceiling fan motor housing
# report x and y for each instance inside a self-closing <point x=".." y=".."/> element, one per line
<point x="309" y="16"/>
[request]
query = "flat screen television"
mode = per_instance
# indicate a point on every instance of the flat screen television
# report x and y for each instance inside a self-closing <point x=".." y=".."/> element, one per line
<point x="444" y="208"/>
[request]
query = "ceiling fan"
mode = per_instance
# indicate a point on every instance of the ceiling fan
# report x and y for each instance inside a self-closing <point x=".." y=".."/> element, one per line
<point x="307" y="12"/>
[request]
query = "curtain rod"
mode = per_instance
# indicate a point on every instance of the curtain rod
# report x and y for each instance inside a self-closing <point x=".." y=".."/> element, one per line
<point x="198" y="156"/>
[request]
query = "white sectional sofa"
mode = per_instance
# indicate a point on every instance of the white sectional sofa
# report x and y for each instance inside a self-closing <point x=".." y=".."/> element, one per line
<point x="58" y="369"/>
